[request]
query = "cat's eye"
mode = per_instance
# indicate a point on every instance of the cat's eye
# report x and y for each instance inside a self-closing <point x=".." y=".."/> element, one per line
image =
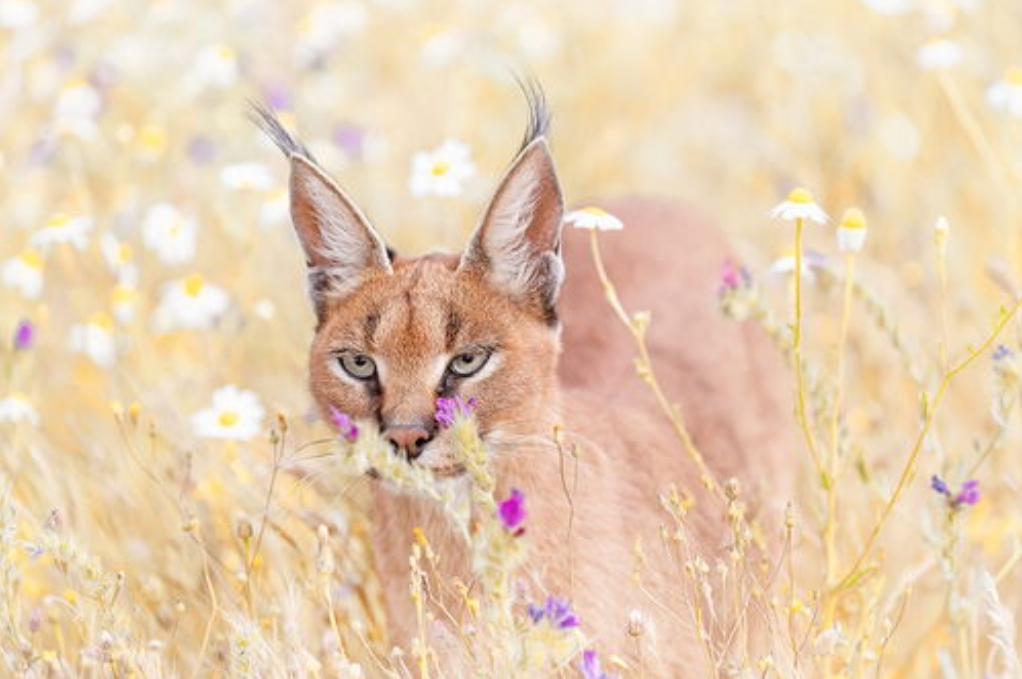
<point x="359" y="366"/>
<point x="469" y="363"/>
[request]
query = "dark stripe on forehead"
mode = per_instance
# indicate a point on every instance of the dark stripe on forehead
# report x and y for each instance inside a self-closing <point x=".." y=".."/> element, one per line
<point x="372" y="321"/>
<point x="452" y="329"/>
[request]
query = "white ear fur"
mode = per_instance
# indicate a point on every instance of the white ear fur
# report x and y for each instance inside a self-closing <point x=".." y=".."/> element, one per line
<point x="517" y="245"/>
<point x="340" y="245"/>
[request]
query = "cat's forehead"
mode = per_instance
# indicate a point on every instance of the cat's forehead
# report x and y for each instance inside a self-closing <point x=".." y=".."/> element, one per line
<point x="423" y="308"/>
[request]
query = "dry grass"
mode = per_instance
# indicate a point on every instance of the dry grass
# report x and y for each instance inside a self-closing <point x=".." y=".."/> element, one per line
<point x="131" y="546"/>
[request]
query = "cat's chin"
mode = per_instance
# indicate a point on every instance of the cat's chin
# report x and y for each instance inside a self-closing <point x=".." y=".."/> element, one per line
<point x="448" y="471"/>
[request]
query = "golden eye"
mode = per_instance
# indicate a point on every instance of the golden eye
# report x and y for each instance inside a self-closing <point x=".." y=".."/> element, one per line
<point x="469" y="363"/>
<point x="359" y="366"/>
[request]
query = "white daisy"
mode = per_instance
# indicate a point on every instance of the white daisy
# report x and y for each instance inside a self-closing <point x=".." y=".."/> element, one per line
<point x="64" y="229"/>
<point x="326" y="26"/>
<point x="119" y="259"/>
<point x="785" y="264"/>
<point x="939" y="54"/>
<point x="275" y="210"/>
<point x="254" y="176"/>
<point x="851" y="232"/>
<point x="76" y="110"/>
<point x="170" y="234"/>
<point x="96" y="340"/>
<point x="1006" y="94"/>
<point x="18" y="408"/>
<point x="215" y="66"/>
<point x="18" y="13"/>
<point x="593" y="218"/>
<point x="122" y="299"/>
<point x="443" y="171"/>
<point x="190" y="304"/>
<point x="800" y="205"/>
<point x="236" y="415"/>
<point x="24" y="273"/>
<point x="941" y="229"/>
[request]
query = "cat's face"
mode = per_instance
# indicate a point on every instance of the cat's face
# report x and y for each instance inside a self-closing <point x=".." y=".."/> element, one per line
<point x="394" y="335"/>
<point x="387" y="351"/>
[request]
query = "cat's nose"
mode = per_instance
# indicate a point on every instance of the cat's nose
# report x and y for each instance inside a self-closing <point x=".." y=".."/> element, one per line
<point x="408" y="439"/>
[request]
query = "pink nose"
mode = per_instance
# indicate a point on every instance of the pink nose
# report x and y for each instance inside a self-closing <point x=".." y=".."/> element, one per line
<point x="407" y="438"/>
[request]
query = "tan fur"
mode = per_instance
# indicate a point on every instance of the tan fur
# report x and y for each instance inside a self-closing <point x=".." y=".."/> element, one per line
<point x="413" y="316"/>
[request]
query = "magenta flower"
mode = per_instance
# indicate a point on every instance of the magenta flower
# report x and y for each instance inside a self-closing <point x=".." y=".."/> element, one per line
<point x="556" y="611"/>
<point x="448" y="409"/>
<point x="968" y="494"/>
<point x="346" y="427"/>
<point x="24" y="335"/>
<point x="511" y="512"/>
<point x="733" y="277"/>
<point x="590" y="666"/>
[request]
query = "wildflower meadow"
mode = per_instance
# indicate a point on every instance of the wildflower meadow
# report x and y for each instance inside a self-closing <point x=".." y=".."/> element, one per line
<point x="171" y="505"/>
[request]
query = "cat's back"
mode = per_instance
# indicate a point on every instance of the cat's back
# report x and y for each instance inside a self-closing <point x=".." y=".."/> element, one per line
<point x="730" y="382"/>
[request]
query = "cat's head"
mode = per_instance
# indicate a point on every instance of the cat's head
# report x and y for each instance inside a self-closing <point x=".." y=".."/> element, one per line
<point x="394" y="334"/>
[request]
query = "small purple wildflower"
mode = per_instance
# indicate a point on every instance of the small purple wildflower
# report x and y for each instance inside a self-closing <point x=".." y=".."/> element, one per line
<point x="590" y="666"/>
<point x="351" y="139"/>
<point x="511" y="512"/>
<point x="201" y="150"/>
<point x="968" y="494"/>
<point x="448" y="409"/>
<point x="1001" y="352"/>
<point x="733" y="276"/>
<point x="24" y="335"/>
<point x="555" y="611"/>
<point x="278" y="97"/>
<point x="346" y="427"/>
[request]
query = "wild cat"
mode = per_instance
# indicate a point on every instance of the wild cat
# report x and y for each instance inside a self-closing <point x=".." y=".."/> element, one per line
<point x="502" y="323"/>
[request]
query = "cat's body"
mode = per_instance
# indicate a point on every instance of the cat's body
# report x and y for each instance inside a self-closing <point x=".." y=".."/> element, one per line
<point x="392" y="336"/>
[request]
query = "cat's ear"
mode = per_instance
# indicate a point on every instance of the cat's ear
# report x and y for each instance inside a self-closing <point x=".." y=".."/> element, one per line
<point x="517" y="245"/>
<point x="340" y="244"/>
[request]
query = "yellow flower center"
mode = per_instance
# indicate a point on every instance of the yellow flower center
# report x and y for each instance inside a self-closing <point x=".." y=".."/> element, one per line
<point x="101" y="321"/>
<point x="224" y="52"/>
<point x="440" y="168"/>
<point x="1014" y="76"/>
<point x="58" y="221"/>
<point x="152" y="138"/>
<point x="853" y="219"/>
<point x="228" y="418"/>
<point x="595" y="211"/>
<point x="21" y="397"/>
<point x="123" y="253"/>
<point x="122" y="294"/>
<point x="32" y="259"/>
<point x="801" y="196"/>
<point x="193" y="285"/>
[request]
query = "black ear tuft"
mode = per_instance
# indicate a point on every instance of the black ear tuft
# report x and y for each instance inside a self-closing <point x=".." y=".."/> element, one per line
<point x="539" y="114"/>
<point x="391" y="254"/>
<point x="267" y="121"/>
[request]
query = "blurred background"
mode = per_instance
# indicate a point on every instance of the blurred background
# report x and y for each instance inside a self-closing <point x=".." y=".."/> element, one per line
<point x="147" y="262"/>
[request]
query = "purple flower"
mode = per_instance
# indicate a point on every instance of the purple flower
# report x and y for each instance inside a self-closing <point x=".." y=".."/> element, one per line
<point x="590" y="666"/>
<point x="448" y="409"/>
<point x="555" y="611"/>
<point x="733" y="277"/>
<point x="278" y="97"/>
<point x="969" y="493"/>
<point x="345" y="426"/>
<point x="511" y="512"/>
<point x="24" y="335"/>
<point x="201" y="150"/>
<point x="1001" y="352"/>
<point x="351" y="139"/>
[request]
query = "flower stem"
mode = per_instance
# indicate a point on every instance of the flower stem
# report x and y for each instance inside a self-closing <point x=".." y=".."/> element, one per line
<point x="906" y="473"/>
<point x="646" y="371"/>
<point x="803" y="420"/>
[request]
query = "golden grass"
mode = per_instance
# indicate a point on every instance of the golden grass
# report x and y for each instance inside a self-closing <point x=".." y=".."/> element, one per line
<point x="130" y="546"/>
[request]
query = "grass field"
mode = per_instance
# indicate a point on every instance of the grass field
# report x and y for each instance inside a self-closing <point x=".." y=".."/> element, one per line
<point x="150" y="529"/>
